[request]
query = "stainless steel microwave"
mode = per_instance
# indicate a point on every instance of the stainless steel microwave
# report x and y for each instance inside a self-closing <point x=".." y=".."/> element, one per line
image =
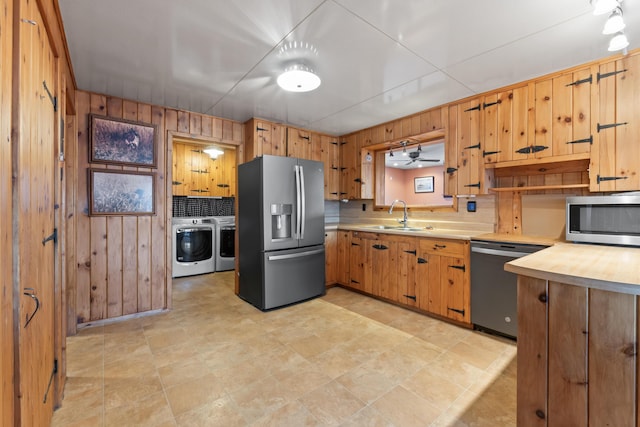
<point x="613" y="220"/>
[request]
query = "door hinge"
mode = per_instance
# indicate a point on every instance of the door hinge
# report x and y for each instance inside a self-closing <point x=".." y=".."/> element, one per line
<point x="358" y="180"/>
<point x="538" y="148"/>
<point x="477" y="107"/>
<point x="354" y="244"/>
<point x="581" y="81"/>
<point x="456" y="310"/>
<point x="335" y="193"/>
<point x="524" y="150"/>
<point x="258" y="129"/>
<point x="335" y="168"/>
<point x="199" y="191"/>
<point x="223" y="185"/>
<point x="488" y="153"/>
<point x="334" y="142"/>
<point x="199" y="171"/>
<point x="413" y="252"/>
<point x="305" y="137"/>
<point x="53" y="373"/>
<point x="413" y="297"/>
<point x="582" y="141"/>
<point x="489" y="104"/>
<point x="355" y="281"/>
<point x="600" y="179"/>
<point x="473" y="146"/>
<point x="451" y="170"/>
<point x="612" y="73"/>
<point x="53" y="236"/>
<point x="422" y="261"/>
<point x="54" y="99"/>
<point x="198" y="151"/>
<point x="458" y="267"/>
<point x="477" y="185"/>
<point x="176" y="183"/>
<point x="380" y="247"/>
<point x="610" y="125"/>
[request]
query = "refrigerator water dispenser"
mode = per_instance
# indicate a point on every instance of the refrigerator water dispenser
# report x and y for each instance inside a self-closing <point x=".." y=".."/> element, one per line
<point x="281" y="221"/>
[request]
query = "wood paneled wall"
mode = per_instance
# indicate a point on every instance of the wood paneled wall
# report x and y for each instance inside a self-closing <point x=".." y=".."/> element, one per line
<point x="6" y="242"/>
<point x="122" y="264"/>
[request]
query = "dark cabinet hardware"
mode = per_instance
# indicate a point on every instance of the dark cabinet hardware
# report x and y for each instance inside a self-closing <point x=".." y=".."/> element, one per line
<point x="199" y="170"/>
<point x="524" y="150"/>
<point x="343" y="142"/>
<point x="582" y="141"/>
<point x="199" y="191"/>
<point x="334" y="142"/>
<point x="335" y="193"/>
<point x="489" y="104"/>
<point x="422" y="261"/>
<point x="223" y="185"/>
<point x="357" y="180"/>
<point x="305" y="137"/>
<point x="342" y="194"/>
<point x="488" y="153"/>
<point x="476" y="185"/>
<point x="477" y="107"/>
<point x="473" y="146"/>
<point x="335" y="168"/>
<point x="610" y="125"/>
<point x="600" y="179"/>
<point x="53" y="236"/>
<point x="54" y="100"/>
<point x="355" y="281"/>
<point x="581" y="81"/>
<point x="613" y="73"/>
<point x="354" y="244"/>
<point x="451" y="170"/>
<point x="437" y="246"/>
<point x="380" y="247"/>
<point x="538" y="148"/>
<point x="458" y="267"/>
<point x="455" y="310"/>
<point x="30" y="292"/>
<point x="176" y="183"/>
<point x="342" y="168"/>
<point x="413" y="252"/>
<point x="258" y="129"/>
<point x="413" y="297"/>
<point x="198" y="151"/>
<point x="54" y="371"/>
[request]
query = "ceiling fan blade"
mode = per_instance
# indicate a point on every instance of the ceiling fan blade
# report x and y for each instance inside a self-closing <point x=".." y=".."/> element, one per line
<point x="428" y="160"/>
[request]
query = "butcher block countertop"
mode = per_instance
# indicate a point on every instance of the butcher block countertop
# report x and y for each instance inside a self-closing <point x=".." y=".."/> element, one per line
<point x="609" y="268"/>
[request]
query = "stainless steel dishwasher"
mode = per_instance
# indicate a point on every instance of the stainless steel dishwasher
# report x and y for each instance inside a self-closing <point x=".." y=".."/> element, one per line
<point x="494" y="297"/>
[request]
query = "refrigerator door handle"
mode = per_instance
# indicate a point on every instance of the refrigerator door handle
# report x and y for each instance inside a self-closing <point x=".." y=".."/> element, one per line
<point x="298" y="200"/>
<point x="303" y="202"/>
<point x="293" y="256"/>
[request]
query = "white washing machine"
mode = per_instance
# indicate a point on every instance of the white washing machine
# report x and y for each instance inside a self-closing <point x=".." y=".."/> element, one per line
<point x="225" y="242"/>
<point x="193" y="246"/>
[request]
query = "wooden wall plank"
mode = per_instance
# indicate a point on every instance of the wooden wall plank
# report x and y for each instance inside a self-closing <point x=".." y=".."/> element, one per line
<point x="567" y="355"/>
<point x="114" y="272"/>
<point x="183" y="121"/>
<point x="195" y="124"/>
<point x="612" y="358"/>
<point x="532" y="352"/>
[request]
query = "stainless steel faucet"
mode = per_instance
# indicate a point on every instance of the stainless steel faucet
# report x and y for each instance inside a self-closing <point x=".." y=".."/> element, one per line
<point x="404" y="219"/>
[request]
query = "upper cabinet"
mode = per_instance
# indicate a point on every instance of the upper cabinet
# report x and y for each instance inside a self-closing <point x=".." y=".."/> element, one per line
<point x="615" y="160"/>
<point x="263" y="137"/>
<point x="197" y="174"/>
<point x="300" y="143"/>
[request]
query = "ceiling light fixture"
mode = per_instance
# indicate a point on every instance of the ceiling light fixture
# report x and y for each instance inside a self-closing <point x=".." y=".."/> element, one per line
<point x="213" y="152"/>
<point x="390" y="153"/>
<point x="600" y="7"/>
<point x="419" y="147"/>
<point x="618" y="42"/>
<point x="298" y="78"/>
<point x="614" y="23"/>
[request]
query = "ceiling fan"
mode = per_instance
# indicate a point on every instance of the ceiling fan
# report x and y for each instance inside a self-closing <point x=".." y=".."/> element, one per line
<point x="415" y="157"/>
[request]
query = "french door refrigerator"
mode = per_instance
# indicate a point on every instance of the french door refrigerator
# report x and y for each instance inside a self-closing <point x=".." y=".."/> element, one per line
<point x="280" y="231"/>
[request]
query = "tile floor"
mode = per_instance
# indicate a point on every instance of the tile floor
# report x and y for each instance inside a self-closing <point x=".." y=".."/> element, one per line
<point x="340" y="360"/>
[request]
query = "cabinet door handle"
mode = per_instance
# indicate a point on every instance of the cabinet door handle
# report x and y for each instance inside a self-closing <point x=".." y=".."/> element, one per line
<point x="30" y="292"/>
<point x="437" y="246"/>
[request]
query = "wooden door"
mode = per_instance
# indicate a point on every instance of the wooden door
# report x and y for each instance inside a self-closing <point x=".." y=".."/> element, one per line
<point x="350" y="168"/>
<point x="406" y="273"/>
<point x="469" y="147"/>
<point x="356" y="262"/>
<point x="330" y="157"/>
<point x="453" y="288"/>
<point x="383" y="264"/>
<point x="452" y="164"/>
<point x="298" y="143"/>
<point x="344" y="254"/>
<point x="35" y="217"/>
<point x="179" y="186"/>
<point x="331" y="257"/>
<point x="271" y="139"/>
<point x="423" y="274"/>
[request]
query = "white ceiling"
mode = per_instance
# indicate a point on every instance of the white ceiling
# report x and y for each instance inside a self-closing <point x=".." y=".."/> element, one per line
<point x="378" y="59"/>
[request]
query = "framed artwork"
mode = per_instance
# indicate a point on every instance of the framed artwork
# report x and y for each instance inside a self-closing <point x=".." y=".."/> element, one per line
<point x="423" y="184"/>
<point x="119" y="141"/>
<point x="113" y="192"/>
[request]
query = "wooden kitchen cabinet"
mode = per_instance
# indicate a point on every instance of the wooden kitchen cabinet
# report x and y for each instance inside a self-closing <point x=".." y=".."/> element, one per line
<point x="299" y="143"/>
<point x="615" y="159"/>
<point x="331" y="257"/>
<point x="406" y="271"/>
<point x="469" y="168"/>
<point x="197" y="174"/>
<point x="356" y="262"/>
<point x="263" y="137"/>
<point x="350" y="167"/>
<point x="343" y="244"/>
<point x="380" y="265"/>
<point x="330" y="157"/>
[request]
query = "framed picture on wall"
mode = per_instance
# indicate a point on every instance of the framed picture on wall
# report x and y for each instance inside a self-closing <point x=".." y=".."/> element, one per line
<point x="119" y="141"/>
<point x="423" y="184"/>
<point x="113" y="192"/>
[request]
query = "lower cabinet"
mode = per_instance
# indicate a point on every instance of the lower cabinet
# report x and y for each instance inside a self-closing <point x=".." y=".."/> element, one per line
<point x="331" y="257"/>
<point x="429" y="274"/>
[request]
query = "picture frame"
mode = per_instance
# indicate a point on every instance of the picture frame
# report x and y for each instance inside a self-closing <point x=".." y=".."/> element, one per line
<point x="123" y="142"/>
<point x="114" y="192"/>
<point x="423" y="184"/>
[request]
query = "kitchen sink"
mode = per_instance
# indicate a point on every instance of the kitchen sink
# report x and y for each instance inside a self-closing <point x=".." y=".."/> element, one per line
<point x="394" y="227"/>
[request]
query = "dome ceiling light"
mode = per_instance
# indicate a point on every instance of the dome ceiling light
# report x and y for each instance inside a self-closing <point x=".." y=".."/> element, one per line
<point x="213" y="152"/>
<point x="298" y="78"/>
<point x="600" y="7"/>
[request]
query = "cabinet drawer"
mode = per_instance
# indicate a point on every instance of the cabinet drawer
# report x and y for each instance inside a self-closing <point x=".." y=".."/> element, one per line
<point x="444" y="247"/>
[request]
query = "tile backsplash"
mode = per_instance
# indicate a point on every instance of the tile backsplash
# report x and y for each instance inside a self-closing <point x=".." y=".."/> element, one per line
<point x="184" y="206"/>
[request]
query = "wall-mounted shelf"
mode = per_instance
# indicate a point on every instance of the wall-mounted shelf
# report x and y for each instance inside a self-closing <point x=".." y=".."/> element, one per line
<point x="538" y="188"/>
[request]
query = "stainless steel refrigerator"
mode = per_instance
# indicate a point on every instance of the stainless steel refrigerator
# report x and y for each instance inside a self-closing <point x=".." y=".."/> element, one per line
<point x="280" y="231"/>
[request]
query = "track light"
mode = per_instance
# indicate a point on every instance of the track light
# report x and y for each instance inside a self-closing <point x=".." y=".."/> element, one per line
<point x="600" y="7"/>
<point x="614" y="23"/>
<point x="419" y="147"/>
<point x="618" y="42"/>
<point x="390" y="153"/>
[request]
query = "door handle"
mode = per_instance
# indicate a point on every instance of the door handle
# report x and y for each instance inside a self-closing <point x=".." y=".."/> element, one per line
<point x="30" y="292"/>
<point x="293" y="256"/>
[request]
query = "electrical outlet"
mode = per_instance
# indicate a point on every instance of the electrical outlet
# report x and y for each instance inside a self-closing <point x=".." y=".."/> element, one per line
<point x="364" y="207"/>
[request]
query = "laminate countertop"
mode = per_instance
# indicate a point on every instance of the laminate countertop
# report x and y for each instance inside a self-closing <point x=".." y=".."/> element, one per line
<point x="441" y="233"/>
<point x="609" y="268"/>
